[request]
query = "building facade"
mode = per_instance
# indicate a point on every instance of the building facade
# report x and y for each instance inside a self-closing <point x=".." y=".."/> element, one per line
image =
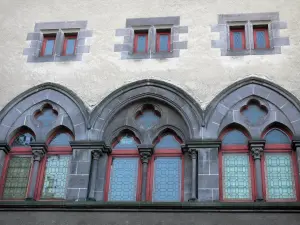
<point x="169" y="112"/>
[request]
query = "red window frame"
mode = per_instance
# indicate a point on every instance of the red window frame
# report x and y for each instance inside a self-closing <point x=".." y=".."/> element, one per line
<point x="46" y="38"/>
<point x="242" y="30"/>
<point x="68" y="37"/>
<point x="136" y="35"/>
<point x="280" y="148"/>
<point x="164" y="153"/>
<point x="236" y="149"/>
<point x="123" y="153"/>
<point x="15" y="151"/>
<point x="52" y="150"/>
<point x="158" y="41"/>
<point x="266" y="37"/>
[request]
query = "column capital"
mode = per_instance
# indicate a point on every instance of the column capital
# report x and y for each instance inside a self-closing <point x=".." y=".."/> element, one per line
<point x="192" y="153"/>
<point x="146" y="152"/>
<point x="296" y="143"/>
<point x="96" y="154"/>
<point x="38" y="150"/>
<point x="256" y="148"/>
<point x="4" y="147"/>
<point x="91" y="145"/>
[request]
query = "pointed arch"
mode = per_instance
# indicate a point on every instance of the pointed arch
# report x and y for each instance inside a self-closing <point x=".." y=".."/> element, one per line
<point x="22" y="136"/>
<point x="60" y="136"/>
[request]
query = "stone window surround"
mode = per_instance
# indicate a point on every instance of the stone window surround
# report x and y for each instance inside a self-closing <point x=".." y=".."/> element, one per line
<point x="151" y="24"/>
<point x="36" y="40"/>
<point x="250" y="19"/>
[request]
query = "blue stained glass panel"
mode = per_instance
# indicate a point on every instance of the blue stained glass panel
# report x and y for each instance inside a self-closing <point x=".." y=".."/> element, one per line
<point x="279" y="176"/>
<point x="148" y="119"/>
<point x="61" y="139"/>
<point x="163" y="42"/>
<point x="236" y="176"/>
<point x="24" y="139"/>
<point x="49" y="47"/>
<point x="237" y="40"/>
<point x="167" y="179"/>
<point x="234" y="137"/>
<point x="276" y="136"/>
<point x="261" y="39"/>
<point x="168" y="142"/>
<point x="254" y="114"/>
<point x="47" y="117"/>
<point x="123" y="179"/>
<point x="126" y="142"/>
<point x="56" y="176"/>
<point x="70" y="48"/>
<point x="141" y="43"/>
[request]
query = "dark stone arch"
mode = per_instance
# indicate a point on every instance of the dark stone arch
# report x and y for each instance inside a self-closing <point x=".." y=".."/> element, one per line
<point x="57" y="129"/>
<point x="167" y="93"/>
<point x="232" y="126"/>
<point x="279" y="126"/>
<point x="108" y="138"/>
<point x="17" y="130"/>
<point x="162" y="129"/>
<point x="286" y="104"/>
<point x="51" y="92"/>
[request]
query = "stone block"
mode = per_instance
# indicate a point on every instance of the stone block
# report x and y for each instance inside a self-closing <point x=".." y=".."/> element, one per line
<point x="205" y="195"/>
<point x="83" y="167"/>
<point x="78" y="181"/>
<point x="213" y="167"/>
<point x="203" y="167"/>
<point x="208" y="181"/>
<point x="180" y="45"/>
<point x="72" y="194"/>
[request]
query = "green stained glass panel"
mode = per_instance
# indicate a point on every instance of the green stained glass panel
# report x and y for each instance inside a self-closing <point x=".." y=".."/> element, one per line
<point x="236" y="176"/>
<point x="56" y="176"/>
<point x="17" y="177"/>
<point x="279" y="176"/>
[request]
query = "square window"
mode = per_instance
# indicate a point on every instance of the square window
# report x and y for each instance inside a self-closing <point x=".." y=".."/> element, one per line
<point x="140" y="41"/>
<point x="48" y="45"/>
<point x="70" y="44"/>
<point x="237" y="38"/>
<point x="163" y="40"/>
<point x="261" y="37"/>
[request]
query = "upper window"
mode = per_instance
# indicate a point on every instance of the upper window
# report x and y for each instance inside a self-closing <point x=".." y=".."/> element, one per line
<point x="234" y="137"/>
<point x="163" y="40"/>
<point x="126" y="141"/>
<point x="276" y="136"/>
<point x="61" y="139"/>
<point x="69" y="46"/>
<point x="261" y="37"/>
<point x="237" y="38"/>
<point x="48" y="45"/>
<point x="141" y="41"/>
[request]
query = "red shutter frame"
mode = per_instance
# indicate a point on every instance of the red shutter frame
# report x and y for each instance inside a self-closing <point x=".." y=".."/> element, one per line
<point x="243" y="39"/>
<point x="136" y="43"/>
<point x="265" y="30"/>
<point x="66" y="38"/>
<point x="44" y="45"/>
<point x="158" y="41"/>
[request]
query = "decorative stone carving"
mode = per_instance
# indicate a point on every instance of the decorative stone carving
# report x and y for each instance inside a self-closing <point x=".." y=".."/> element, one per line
<point x="96" y="154"/>
<point x="256" y="152"/>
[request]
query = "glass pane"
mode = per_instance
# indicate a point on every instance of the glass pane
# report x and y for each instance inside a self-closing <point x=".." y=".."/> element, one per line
<point x="237" y="40"/>
<point x="254" y="114"/>
<point x="126" y="142"/>
<point x="23" y="140"/>
<point x="70" y="46"/>
<point x="261" y="39"/>
<point x="17" y="177"/>
<point x="167" y="179"/>
<point x="279" y="176"/>
<point x="168" y="142"/>
<point x="56" y="177"/>
<point x="141" y="43"/>
<point x="163" y="42"/>
<point x="236" y="176"/>
<point x="276" y="136"/>
<point x="47" y="117"/>
<point x="61" y="139"/>
<point x="123" y="179"/>
<point x="148" y="119"/>
<point x="49" y="47"/>
<point x="234" y="137"/>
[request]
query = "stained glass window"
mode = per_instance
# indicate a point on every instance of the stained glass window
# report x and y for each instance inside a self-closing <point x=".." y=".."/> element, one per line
<point x="164" y="42"/>
<point x="276" y="136"/>
<point x="126" y="142"/>
<point x="47" y="116"/>
<point x="234" y="137"/>
<point x="253" y="114"/>
<point x="23" y="139"/>
<point x="17" y="177"/>
<point x="236" y="176"/>
<point x="261" y="39"/>
<point x="70" y="46"/>
<point x="279" y="176"/>
<point x="123" y="179"/>
<point x="61" y="139"/>
<point x="141" y="43"/>
<point x="147" y="119"/>
<point x="168" y="142"/>
<point x="167" y="179"/>
<point x="56" y="176"/>
<point x="49" y="45"/>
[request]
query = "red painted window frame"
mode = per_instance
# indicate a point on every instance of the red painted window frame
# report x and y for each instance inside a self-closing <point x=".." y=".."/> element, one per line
<point x="52" y="150"/>
<point x="68" y="37"/>
<point x="136" y="35"/>
<point x="123" y="153"/>
<point x="46" y="38"/>
<point x="280" y="148"/>
<point x="164" y="153"/>
<point x="232" y="30"/>
<point x="16" y="151"/>
<point x="227" y="149"/>
<point x="158" y="41"/>
<point x="266" y="31"/>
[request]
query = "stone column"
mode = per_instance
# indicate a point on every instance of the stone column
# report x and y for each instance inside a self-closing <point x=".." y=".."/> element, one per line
<point x="96" y="154"/>
<point x="296" y="148"/>
<point x="193" y="154"/>
<point x="256" y="149"/>
<point x="146" y="152"/>
<point x="38" y="152"/>
<point x="4" y="149"/>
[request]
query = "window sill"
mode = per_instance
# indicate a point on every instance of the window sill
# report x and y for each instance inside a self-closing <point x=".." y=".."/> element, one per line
<point x="77" y="57"/>
<point x="157" y="55"/>
<point x="270" y="51"/>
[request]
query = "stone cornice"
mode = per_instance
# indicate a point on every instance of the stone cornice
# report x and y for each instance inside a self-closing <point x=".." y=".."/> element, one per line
<point x="4" y="147"/>
<point x="198" y="143"/>
<point x="91" y="145"/>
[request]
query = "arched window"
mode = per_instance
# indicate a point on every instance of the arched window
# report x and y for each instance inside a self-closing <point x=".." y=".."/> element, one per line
<point x="236" y="167"/>
<point x="55" y="166"/>
<point x="279" y="167"/>
<point x="166" y="176"/>
<point x="123" y="174"/>
<point x="17" y="166"/>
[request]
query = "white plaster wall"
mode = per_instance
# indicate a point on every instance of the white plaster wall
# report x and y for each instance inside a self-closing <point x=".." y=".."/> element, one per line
<point x="200" y="70"/>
